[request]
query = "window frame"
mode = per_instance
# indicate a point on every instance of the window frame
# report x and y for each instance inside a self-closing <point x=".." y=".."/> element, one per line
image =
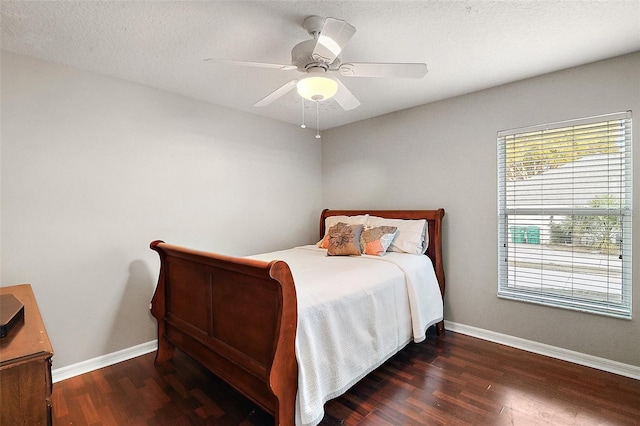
<point x="508" y="285"/>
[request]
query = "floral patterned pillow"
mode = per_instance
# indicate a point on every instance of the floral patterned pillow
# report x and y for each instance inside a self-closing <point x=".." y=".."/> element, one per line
<point x="344" y="240"/>
<point x="376" y="240"/>
<point x="331" y="221"/>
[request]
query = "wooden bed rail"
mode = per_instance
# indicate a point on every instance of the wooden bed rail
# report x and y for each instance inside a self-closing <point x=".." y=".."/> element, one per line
<point x="200" y="300"/>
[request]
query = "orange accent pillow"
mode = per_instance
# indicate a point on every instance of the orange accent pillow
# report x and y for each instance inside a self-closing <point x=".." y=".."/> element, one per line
<point x="376" y="240"/>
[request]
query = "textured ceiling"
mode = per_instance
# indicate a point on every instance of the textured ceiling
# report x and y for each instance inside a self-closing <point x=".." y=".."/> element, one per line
<point x="467" y="45"/>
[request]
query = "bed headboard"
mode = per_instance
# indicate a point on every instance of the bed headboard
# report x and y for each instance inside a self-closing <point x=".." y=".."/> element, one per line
<point x="433" y="217"/>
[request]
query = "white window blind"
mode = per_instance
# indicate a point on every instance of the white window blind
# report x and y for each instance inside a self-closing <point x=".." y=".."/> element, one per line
<point x="564" y="214"/>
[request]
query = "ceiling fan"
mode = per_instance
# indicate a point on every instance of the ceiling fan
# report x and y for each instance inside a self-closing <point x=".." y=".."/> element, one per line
<point x="320" y="57"/>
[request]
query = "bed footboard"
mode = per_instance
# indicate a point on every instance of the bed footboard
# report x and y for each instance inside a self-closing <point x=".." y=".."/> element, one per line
<point x="235" y="316"/>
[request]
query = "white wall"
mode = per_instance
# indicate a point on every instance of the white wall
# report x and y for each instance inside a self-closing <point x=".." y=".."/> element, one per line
<point x="93" y="169"/>
<point x="444" y="155"/>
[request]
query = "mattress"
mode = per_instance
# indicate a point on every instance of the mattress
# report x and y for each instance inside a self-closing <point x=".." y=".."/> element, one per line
<point x="354" y="313"/>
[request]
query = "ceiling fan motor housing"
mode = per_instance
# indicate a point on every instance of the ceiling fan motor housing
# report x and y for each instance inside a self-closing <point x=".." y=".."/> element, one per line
<point x="301" y="57"/>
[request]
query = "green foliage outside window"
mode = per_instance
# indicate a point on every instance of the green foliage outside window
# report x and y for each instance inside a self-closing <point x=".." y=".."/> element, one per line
<point x="531" y="154"/>
<point x="596" y="232"/>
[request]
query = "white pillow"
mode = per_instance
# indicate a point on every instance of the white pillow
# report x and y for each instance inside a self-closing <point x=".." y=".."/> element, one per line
<point x="412" y="236"/>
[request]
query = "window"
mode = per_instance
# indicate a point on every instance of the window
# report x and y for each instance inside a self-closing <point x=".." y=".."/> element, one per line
<point x="564" y="214"/>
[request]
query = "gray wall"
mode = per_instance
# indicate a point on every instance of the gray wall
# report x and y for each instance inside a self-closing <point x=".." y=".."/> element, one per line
<point x="93" y="169"/>
<point x="444" y="155"/>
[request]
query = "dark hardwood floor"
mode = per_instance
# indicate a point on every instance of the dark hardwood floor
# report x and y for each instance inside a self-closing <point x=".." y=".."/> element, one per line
<point x="451" y="380"/>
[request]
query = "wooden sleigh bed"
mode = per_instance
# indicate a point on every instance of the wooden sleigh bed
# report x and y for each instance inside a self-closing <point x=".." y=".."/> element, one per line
<point x="238" y="316"/>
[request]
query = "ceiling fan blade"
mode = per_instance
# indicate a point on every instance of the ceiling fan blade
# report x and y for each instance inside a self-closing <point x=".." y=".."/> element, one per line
<point x="373" y="69"/>
<point x="253" y="64"/>
<point x="281" y="91"/>
<point x="345" y="98"/>
<point x="333" y="37"/>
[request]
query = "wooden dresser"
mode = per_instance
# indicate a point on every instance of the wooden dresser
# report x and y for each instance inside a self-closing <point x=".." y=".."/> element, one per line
<point x="25" y="366"/>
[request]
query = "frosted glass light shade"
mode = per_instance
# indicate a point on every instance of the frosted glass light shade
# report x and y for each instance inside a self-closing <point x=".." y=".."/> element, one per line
<point x="317" y="88"/>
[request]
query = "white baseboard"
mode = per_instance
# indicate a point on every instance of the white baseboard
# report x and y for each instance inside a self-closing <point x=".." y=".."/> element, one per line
<point x="73" y="370"/>
<point x="503" y="339"/>
<point x="547" y="350"/>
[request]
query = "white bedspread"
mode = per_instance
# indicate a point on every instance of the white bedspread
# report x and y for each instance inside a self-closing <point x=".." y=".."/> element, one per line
<point x="354" y="313"/>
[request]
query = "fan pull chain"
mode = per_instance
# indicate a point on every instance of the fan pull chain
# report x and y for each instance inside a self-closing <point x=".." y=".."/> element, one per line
<point x="317" y="120"/>
<point x="304" y="126"/>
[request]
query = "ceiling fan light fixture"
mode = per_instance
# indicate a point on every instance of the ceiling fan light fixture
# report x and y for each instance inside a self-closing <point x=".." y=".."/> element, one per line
<point x="317" y="88"/>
